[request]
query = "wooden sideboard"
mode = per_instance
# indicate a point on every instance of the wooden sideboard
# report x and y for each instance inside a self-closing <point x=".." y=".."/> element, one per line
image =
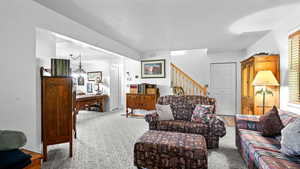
<point x="140" y="101"/>
<point x="252" y="103"/>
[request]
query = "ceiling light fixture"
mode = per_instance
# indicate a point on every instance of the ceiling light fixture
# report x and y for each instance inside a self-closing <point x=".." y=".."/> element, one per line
<point x="79" y="70"/>
<point x="178" y="52"/>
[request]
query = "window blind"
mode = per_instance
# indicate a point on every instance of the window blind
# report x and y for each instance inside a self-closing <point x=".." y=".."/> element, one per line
<point x="293" y="66"/>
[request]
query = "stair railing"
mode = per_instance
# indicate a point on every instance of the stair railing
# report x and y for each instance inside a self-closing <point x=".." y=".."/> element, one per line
<point x="189" y="85"/>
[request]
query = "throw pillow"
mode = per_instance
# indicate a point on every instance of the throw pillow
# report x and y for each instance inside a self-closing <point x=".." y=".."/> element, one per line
<point x="290" y="144"/>
<point x="164" y="112"/>
<point x="202" y="113"/>
<point x="10" y="140"/>
<point x="270" y="122"/>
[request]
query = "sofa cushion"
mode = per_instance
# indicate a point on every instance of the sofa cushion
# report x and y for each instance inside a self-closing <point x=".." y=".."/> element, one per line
<point x="10" y="140"/>
<point x="290" y="143"/>
<point x="202" y="113"/>
<point x="183" y="126"/>
<point x="14" y="159"/>
<point x="287" y="117"/>
<point x="255" y="139"/>
<point x="182" y="111"/>
<point x="264" y="152"/>
<point x="267" y="159"/>
<point x="270" y="122"/>
<point x="164" y="112"/>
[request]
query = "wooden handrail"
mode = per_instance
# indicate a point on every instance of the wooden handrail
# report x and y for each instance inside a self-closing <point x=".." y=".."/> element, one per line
<point x="198" y="86"/>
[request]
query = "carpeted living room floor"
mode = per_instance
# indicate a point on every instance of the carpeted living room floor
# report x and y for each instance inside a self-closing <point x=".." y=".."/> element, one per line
<point x="106" y="140"/>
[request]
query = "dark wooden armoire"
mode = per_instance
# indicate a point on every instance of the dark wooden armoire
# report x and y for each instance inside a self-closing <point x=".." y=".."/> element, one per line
<point x="57" y="112"/>
<point x="252" y="103"/>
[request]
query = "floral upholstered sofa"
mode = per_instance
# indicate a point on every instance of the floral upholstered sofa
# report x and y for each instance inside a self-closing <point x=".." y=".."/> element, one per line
<point x="182" y="109"/>
<point x="261" y="152"/>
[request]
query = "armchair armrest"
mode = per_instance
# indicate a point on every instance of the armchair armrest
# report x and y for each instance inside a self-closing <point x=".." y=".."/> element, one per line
<point x="217" y="127"/>
<point x="248" y="122"/>
<point x="151" y="118"/>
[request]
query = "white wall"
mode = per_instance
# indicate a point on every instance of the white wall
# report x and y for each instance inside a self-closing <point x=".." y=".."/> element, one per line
<point x="277" y="42"/>
<point x="18" y="95"/>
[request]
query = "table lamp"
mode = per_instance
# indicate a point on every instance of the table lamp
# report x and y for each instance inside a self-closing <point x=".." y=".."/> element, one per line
<point x="98" y="81"/>
<point x="265" y="78"/>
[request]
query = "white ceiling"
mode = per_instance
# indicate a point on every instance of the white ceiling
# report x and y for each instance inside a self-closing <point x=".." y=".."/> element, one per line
<point x="163" y="25"/>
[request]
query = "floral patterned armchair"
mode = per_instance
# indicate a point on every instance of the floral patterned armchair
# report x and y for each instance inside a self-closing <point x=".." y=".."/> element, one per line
<point x="182" y="109"/>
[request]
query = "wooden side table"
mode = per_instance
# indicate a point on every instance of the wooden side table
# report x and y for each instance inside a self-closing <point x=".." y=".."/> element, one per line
<point x="36" y="159"/>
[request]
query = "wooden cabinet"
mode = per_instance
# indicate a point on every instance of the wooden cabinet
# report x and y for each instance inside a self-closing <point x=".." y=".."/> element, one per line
<point x="140" y="101"/>
<point x="57" y="112"/>
<point x="252" y="103"/>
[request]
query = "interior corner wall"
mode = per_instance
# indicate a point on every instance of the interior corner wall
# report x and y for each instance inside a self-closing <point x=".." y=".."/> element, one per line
<point x="276" y="41"/>
<point x="18" y="66"/>
<point x="195" y="63"/>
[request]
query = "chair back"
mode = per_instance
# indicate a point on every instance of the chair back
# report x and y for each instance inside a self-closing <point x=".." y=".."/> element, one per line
<point x="183" y="106"/>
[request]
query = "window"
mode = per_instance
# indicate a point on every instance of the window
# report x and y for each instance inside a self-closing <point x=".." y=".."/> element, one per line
<point x="293" y="74"/>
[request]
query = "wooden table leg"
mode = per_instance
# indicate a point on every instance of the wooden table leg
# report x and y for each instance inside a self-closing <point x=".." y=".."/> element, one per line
<point x="102" y="105"/>
<point x="74" y="124"/>
<point x="71" y="147"/>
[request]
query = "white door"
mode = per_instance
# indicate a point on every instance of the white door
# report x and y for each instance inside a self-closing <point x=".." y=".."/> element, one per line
<point x="223" y="87"/>
<point x="115" y="87"/>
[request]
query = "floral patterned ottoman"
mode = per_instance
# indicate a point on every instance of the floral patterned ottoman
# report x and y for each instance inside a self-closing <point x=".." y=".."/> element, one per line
<point x="170" y="150"/>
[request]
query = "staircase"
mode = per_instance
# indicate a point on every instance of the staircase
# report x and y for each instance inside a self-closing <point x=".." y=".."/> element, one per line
<point x="182" y="80"/>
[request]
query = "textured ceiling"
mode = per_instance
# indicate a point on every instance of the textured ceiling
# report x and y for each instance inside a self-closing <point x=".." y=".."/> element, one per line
<point x="160" y="25"/>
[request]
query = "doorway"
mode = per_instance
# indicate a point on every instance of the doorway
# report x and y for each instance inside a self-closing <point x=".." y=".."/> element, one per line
<point x="223" y="87"/>
<point x="115" y="87"/>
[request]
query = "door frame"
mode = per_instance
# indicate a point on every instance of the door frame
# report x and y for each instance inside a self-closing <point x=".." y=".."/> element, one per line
<point x="236" y="92"/>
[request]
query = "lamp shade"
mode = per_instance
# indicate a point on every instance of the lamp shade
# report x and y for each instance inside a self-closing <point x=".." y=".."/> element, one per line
<point x="265" y="78"/>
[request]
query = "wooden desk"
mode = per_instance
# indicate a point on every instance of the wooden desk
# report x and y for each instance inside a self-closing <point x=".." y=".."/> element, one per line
<point x="83" y="101"/>
<point x="87" y="100"/>
<point x="35" y="159"/>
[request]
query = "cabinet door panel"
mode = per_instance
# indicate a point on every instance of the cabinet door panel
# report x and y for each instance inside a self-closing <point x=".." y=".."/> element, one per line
<point x="250" y="80"/>
<point x="133" y="101"/>
<point x="57" y="109"/>
<point x="244" y="81"/>
<point x="149" y="102"/>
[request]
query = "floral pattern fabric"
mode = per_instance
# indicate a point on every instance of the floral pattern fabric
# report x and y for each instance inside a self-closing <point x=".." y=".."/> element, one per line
<point x="212" y="130"/>
<point x="170" y="150"/>
<point x="202" y="113"/>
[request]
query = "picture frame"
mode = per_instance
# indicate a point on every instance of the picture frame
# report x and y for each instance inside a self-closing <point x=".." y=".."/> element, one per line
<point x="80" y="81"/>
<point x="92" y="76"/>
<point x="90" y="87"/>
<point x="153" y="68"/>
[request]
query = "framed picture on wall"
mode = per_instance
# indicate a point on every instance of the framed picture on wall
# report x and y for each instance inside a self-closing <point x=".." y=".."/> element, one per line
<point x="153" y="68"/>
<point x="92" y="76"/>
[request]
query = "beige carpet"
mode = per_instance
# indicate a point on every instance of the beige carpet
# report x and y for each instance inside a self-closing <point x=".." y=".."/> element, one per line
<point x="106" y="140"/>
